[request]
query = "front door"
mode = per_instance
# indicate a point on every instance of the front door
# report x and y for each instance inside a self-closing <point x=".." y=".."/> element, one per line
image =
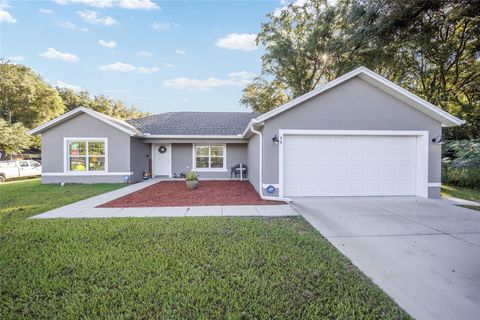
<point x="162" y="159"/>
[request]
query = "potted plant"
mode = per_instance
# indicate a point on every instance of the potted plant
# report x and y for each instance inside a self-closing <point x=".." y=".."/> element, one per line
<point x="191" y="180"/>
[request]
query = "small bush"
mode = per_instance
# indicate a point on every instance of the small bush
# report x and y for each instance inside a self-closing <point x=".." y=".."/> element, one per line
<point x="462" y="154"/>
<point x="461" y="177"/>
<point x="191" y="176"/>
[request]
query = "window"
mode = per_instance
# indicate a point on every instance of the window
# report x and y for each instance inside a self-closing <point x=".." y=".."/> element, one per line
<point x="209" y="157"/>
<point x="86" y="155"/>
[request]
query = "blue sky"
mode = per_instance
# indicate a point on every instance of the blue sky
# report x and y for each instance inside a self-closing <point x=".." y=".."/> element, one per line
<point x="157" y="55"/>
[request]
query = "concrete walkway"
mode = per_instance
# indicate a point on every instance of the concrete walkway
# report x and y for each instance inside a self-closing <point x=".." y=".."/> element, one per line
<point x="460" y="202"/>
<point x="87" y="208"/>
<point x="424" y="253"/>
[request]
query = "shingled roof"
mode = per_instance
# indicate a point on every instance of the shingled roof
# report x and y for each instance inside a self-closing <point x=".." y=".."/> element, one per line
<point x="194" y="123"/>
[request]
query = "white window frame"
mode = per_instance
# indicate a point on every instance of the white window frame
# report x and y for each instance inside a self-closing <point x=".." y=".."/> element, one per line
<point x="66" y="155"/>
<point x="194" y="157"/>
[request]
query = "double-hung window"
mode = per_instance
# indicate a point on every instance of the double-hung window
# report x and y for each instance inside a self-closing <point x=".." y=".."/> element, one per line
<point x="86" y="155"/>
<point x="210" y="157"/>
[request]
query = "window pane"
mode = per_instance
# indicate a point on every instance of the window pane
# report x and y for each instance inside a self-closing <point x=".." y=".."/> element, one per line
<point x="78" y="164"/>
<point x="201" y="162"/>
<point x="217" y="162"/>
<point x="217" y="151"/>
<point x="96" y="163"/>
<point x="96" y="148"/>
<point x="24" y="164"/>
<point x="201" y="151"/>
<point x="77" y="148"/>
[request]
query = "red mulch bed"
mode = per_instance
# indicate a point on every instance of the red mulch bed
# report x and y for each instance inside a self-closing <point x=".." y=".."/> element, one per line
<point x="176" y="194"/>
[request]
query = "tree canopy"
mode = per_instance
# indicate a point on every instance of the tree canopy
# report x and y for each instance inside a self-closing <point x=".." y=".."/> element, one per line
<point x="431" y="48"/>
<point x="27" y="100"/>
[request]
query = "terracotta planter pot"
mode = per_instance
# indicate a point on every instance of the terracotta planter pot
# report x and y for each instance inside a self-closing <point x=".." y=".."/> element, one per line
<point x="191" y="185"/>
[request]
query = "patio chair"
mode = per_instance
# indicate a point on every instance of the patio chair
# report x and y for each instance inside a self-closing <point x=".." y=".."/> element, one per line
<point x="235" y="171"/>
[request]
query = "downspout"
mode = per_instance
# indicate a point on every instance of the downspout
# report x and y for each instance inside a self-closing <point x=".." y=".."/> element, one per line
<point x="260" y="170"/>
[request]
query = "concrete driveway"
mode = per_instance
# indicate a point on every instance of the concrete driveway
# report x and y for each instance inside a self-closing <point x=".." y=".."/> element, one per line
<point x="424" y="253"/>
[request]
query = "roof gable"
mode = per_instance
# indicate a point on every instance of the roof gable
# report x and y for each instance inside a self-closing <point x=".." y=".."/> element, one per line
<point x="380" y="82"/>
<point x="116" y="123"/>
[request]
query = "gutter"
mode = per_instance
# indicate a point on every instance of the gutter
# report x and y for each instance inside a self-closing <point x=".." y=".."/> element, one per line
<point x="260" y="171"/>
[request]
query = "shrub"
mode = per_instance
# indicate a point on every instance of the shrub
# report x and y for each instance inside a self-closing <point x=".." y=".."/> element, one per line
<point x="461" y="177"/>
<point x="462" y="154"/>
<point x="191" y="176"/>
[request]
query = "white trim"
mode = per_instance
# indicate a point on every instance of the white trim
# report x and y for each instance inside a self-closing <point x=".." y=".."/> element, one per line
<point x="194" y="162"/>
<point x="422" y="151"/>
<point x="104" y="118"/>
<point x="66" y="165"/>
<point x="154" y="151"/>
<point x="166" y="136"/>
<point x="375" y="79"/>
<point x="92" y="173"/>
<point x="435" y="184"/>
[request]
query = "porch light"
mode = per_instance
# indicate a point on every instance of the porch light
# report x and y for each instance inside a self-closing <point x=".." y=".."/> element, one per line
<point x="438" y="140"/>
<point x="275" y="139"/>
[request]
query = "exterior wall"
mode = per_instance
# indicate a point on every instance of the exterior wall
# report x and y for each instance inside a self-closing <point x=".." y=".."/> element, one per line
<point x="182" y="159"/>
<point x="87" y="127"/>
<point x="352" y="105"/>
<point x="140" y="153"/>
<point x="253" y="161"/>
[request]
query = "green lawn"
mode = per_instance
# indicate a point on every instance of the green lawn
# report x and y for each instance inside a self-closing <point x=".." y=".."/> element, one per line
<point x="188" y="268"/>
<point x="462" y="193"/>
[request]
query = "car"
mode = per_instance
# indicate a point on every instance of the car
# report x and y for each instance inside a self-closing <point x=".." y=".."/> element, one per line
<point x="19" y="168"/>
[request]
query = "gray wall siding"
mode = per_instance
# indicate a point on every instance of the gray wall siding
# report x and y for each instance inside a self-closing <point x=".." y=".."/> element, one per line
<point x="182" y="157"/>
<point x="83" y="179"/>
<point x="353" y="105"/>
<point x="253" y="160"/>
<point x="138" y="158"/>
<point x="88" y="127"/>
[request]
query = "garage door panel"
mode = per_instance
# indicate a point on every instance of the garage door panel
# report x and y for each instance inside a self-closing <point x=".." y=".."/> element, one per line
<point x="349" y="165"/>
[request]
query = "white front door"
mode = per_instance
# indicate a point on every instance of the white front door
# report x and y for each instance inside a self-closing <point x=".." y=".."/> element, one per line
<point x="162" y="156"/>
<point x="329" y="165"/>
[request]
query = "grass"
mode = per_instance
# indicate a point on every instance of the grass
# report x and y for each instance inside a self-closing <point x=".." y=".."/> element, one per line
<point x="462" y="193"/>
<point x="471" y="207"/>
<point x="175" y="268"/>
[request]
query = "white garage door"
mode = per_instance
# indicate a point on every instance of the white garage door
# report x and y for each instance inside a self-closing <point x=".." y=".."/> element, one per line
<point x="322" y="165"/>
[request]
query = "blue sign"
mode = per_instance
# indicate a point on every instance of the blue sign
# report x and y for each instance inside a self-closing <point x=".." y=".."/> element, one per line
<point x="126" y="178"/>
<point x="270" y="189"/>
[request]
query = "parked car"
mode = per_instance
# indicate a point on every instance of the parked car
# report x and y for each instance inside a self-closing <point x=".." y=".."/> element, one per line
<point x="19" y="168"/>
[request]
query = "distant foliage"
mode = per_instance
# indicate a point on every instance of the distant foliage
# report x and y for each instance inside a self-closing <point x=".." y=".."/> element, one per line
<point x="100" y="103"/>
<point x="462" y="154"/>
<point x="461" y="177"/>
<point x="13" y="139"/>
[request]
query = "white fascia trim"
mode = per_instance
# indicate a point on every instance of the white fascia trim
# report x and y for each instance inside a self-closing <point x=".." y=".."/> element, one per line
<point x="449" y="119"/>
<point x="166" y="136"/>
<point x="73" y="112"/>
<point x="85" y="174"/>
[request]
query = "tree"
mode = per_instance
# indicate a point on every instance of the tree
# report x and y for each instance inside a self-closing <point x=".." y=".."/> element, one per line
<point x="13" y="138"/>
<point x="100" y="103"/>
<point x="26" y="96"/>
<point x="429" y="47"/>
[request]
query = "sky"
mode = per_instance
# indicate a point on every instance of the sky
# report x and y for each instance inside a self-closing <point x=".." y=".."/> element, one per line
<point x="160" y="56"/>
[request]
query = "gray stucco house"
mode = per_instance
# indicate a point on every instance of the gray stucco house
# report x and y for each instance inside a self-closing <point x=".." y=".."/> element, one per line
<point x="358" y="135"/>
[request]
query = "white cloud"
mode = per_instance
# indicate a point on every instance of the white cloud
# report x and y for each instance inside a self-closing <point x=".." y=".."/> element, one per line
<point x="45" y="11"/>
<point x="236" y="41"/>
<point x="181" y="52"/>
<point x="93" y="17"/>
<point x="65" y="85"/>
<point x="51" y="53"/>
<point x="144" y="54"/>
<point x="164" y="26"/>
<point x="147" y="70"/>
<point x="125" y="67"/>
<point x="125" y="4"/>
<point x="70" y="26"/>
<point x="170" y="65"/>
<point x="16" y="58"/>
<point x="107" y="44"/>
<point x="234" y="79"/>
<point x="6" y="17"/>
<point x="138" y="5"/>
